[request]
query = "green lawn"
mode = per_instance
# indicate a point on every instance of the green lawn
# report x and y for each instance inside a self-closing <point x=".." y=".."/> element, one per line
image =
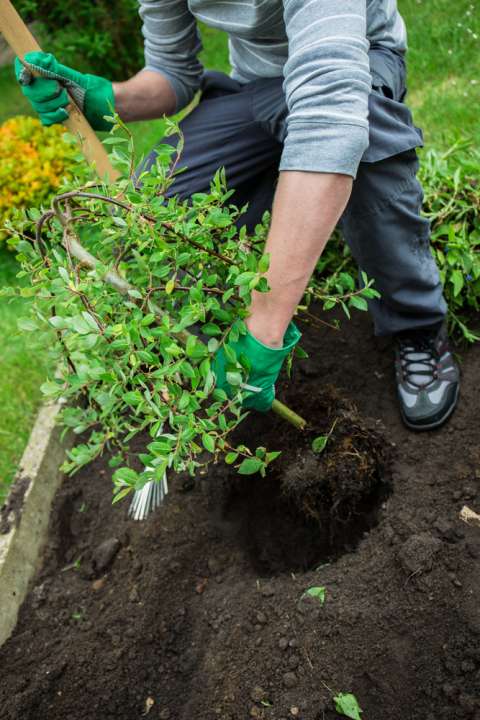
<point x="444" y="81"/>
<point x="23" y="367"/>
<point x="444" y="67"/>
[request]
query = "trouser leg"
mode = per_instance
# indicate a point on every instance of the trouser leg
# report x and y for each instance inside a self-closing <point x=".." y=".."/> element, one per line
<point x="242" y="129"/>
<point x="390" y="241"/>
<point x="223" y="132"/>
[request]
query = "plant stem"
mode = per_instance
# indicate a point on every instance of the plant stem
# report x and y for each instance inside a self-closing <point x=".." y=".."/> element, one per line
<point x="123" y="287"/>
<point x="289" y="415"/>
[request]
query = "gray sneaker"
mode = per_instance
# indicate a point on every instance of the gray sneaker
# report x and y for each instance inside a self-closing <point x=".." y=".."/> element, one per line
<point x="427" y="378"/>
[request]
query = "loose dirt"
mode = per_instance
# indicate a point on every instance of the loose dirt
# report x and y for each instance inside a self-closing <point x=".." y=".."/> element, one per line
<point x="199" y="613"/>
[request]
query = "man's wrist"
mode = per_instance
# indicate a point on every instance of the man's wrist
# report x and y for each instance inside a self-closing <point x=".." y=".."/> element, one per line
<point x="145" y="96"/>
<point x="262" y="328"/>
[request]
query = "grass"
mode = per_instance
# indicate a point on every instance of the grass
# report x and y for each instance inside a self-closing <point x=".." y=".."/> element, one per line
<point x="23" y="368"/>
<point x="444" y="93"/>
<point x="444" y="68"/>
<point x="13" y="102"/>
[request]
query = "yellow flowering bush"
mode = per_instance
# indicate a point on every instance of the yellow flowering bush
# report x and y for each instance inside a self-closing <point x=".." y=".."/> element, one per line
<point x="34" y="161"/>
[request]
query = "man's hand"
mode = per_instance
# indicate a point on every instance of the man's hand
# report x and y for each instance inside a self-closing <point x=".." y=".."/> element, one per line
<point x="306" y="209"/>
<point x="47" y="93"/>
<point x="265" y="364"/>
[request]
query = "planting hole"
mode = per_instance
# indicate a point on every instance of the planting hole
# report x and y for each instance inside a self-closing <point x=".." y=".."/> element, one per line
<point x="312" y="507"/>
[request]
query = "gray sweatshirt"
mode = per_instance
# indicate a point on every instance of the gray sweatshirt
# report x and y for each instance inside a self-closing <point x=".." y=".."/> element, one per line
<point x="320" y="47"/>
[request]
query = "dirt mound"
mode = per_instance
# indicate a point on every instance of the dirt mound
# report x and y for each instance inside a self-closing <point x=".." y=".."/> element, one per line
<point x="199" y="613"/>
<point x="312" y="506"/>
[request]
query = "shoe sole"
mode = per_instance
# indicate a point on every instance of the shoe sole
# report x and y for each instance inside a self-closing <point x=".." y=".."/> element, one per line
<point x="437" y="423"/>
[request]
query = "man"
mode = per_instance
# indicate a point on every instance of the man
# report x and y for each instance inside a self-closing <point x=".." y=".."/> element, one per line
<point x="316" y="98"/>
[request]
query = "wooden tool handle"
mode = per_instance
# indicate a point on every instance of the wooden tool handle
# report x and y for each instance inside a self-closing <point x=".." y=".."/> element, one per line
<point x="21" y="41"/>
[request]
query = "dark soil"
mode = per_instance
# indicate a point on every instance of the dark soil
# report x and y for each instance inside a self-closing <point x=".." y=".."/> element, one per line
<point x="197" y="613"/>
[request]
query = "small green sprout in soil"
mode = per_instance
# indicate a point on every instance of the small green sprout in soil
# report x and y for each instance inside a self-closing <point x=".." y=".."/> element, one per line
<point x="75" y="565"/>
<point x="347" y="704"/>
<point x="318" y="593"/>
<point x="320" y="443"/>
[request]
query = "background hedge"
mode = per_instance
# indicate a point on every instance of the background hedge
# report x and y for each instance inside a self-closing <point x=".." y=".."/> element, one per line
<point x="96" y="36"/>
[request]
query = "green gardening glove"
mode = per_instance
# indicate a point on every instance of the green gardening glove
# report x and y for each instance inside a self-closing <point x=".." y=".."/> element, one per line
<point x="48" y="95"/>
<point x="265" y="364"/>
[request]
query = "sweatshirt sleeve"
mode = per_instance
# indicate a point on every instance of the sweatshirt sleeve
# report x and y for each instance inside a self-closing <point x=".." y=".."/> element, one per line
<point x="327" y="84"/>
<point x="172" y="44"/>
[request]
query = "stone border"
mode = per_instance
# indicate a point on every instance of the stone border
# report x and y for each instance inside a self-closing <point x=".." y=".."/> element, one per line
<point x="24" y="519"/>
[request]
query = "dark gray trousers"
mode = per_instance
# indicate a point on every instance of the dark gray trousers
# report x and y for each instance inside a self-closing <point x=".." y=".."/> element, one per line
<point x="242" y="128"/>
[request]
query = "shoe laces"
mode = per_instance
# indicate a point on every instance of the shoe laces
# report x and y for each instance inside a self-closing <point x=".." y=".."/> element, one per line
<point x="419" y="361"/>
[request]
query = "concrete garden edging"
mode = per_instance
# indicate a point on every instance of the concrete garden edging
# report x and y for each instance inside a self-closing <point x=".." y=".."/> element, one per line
<point x="25" y="517"/>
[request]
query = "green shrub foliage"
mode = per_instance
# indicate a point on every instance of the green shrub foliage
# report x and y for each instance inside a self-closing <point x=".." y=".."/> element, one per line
<point x="452" y="203"/>
<point x="451" y="186"/>
<point x="35" y="160"/>
<point x="142" y="291"/>
<point x="98" y="37"/>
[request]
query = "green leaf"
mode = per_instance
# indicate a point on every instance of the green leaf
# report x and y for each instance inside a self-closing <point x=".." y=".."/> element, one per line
<point x="184" y="401"/>
<point x="27" y="325"/>
<point x="114" y="140"/>
<point x="90" y="321"/>
<point x="316" y="592"/>
<point x="132" y="398"/>
<point x="89" y="341"/>
<point x="135" y="294"/>
<point x="125" y="476"/>
<point x="227" y="295"/>
<point x="220" y="395"/>
<point x="50" y="388"/>
<point x="250" y="466"/>
<point x="271" y="456"/>
<point x="300" y="353"/>
<point x="230" y="354"/>
<point x="264" y="263"/>
<point x="80" y="326"/>
<point x="191" y="345"/>
<point x="208" y="442"/>
<point x="213" y="345"/>
<point x="231" y="457"/>
<point x="347" y="281"/>
<point x="209" y="382"/>
<point x="59" y="323"/>
<point x="457" y="281"/>
<point x="234" y="378"/>
<point x="212" y="329"/>
<point x="319" y="444"/>
<point x="120" y="495"/>
<point x="119" y="221"/>
<point x="147" y="320"/>
<point x="64" y="275"/>
<point x="262" y="285"/>
<point x="244" y="278"/>
<point x="359" y="302"/>
<point x="347" y="704"/>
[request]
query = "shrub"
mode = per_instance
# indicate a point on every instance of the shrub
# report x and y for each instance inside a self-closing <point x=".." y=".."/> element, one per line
<point x="34" y="162"/>
<point x="452" y="204"/>
<point x="133" y="363"/>
<point x="97" y="37"/>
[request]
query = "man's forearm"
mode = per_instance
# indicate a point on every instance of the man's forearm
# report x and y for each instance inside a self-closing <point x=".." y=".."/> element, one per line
<point x="145" y="96"/>
<point x="306" y="209"/>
